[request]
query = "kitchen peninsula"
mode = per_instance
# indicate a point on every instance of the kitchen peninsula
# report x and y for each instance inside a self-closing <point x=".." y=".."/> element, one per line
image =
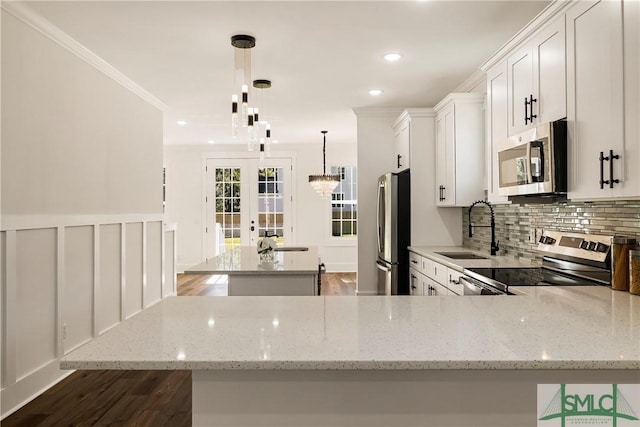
<point x="290" y="271"/>
<point x="378" y="361"/>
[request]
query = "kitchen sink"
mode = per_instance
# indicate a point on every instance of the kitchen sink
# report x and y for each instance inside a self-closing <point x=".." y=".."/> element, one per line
<point x="291" y="249"/>
<point x="461" y="255"/>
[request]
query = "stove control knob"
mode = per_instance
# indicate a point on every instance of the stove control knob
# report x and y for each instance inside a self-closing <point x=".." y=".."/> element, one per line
<point x="584" y="245"/>
<point x="602" y="247"/>
<point x="543" y="239"/>
<point x="592" y="246"/>
<point x="550" y="240"/>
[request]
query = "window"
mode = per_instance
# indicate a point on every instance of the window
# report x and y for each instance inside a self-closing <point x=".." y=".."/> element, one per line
<point x="344" y="203"/>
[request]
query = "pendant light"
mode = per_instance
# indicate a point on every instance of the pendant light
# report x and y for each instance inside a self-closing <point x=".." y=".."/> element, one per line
<point x="324" y="184"/>
<point x="242" y="44"/>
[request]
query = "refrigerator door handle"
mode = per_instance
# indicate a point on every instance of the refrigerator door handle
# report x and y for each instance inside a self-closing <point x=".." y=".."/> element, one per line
<point x="380" y="186"/>
<point x="383" y="267"/>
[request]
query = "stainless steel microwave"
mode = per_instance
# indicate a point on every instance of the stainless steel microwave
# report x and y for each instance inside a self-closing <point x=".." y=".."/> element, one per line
<point x="534" y="163"/>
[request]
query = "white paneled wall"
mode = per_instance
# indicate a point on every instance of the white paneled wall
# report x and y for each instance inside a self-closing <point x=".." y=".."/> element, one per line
<point x="78" y="289"/>
<point x="35" y="299"/>
<point x="110" y="277"/>
<point x="64" y="285"/>
<point x="134" y="275"/>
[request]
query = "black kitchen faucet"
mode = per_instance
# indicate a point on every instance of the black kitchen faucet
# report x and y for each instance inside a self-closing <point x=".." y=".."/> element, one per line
<point x="494" y="245"/>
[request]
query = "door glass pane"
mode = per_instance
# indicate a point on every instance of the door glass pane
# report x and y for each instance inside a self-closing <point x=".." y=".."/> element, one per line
<point x="227" y="205"/>
<point x="271" y="203"/>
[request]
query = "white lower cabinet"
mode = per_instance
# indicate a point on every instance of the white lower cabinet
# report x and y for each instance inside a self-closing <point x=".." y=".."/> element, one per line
<point x="433" y="288"/>
<point x="430" y="278"/>
<point x="416" y="282"/>
<point x="453" y="282"/>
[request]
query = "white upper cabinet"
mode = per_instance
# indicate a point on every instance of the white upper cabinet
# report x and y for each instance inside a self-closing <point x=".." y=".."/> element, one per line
<point x="496" y="127"/>
<point x="536" y="78"/>
<point x="602" y="160"/>
<point x="460" y="154"/>
<point x="401" y="143"/>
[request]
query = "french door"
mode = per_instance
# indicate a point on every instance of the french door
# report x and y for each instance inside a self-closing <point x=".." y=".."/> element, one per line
<point x="244" y="199"/>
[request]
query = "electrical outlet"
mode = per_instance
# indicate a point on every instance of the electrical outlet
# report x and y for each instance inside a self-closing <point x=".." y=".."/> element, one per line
<point x="532" y="235"/>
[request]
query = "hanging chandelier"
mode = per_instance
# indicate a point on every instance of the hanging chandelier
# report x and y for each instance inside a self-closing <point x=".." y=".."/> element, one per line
<point x="324" y="184"/>
<point x="246" y="121"/>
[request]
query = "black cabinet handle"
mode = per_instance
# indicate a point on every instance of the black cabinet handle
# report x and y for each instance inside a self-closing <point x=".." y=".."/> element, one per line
<point x="399" y="157"/>
<point x="602" y="159"/>
<point x="528" y="105"/>
<point x="531" y="115"/>
<point x="612" y="157"/>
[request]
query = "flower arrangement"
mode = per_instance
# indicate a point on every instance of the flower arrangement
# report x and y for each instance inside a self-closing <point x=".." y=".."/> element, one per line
<point x="265" y="247"/>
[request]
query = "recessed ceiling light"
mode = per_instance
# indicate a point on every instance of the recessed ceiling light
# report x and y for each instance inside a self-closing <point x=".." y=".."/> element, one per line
<point x="181" y="122"/>
<point x="274" y="141"/>
<point x="375" y="92"/>
<point x="392" y="57"/>
<point x="211" y="141"/>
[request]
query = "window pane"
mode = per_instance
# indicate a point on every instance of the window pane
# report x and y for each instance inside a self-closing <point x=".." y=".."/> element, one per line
<point x="344" y="203"/>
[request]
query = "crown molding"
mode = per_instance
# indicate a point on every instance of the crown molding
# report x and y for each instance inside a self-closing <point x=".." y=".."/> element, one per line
<point x="475" y="79"/>
<point x="377" y="111"/>
<point x="554" y="9"/>
<point x="24" y="13"/>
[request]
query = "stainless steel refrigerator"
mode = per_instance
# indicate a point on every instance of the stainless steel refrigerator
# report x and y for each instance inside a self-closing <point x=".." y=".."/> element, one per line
<point x="394" y="233"/>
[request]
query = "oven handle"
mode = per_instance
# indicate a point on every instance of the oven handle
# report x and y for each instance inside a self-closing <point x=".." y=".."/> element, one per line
<point x="528" y="163"/>
<point x="470" y="283"/>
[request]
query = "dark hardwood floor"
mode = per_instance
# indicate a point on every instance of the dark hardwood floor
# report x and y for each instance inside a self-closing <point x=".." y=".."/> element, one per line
<point x="135" y="398"/>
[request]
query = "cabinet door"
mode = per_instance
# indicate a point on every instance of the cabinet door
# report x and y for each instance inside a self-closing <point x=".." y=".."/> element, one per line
<point x="453" y="282"/>
<point x="445" y="157"/>
<point x="415" y="283"/>
<point x="401" y="143"/>
<point x="549" y="70"/>
<point x="520" y="81"/>
<point x="496" y="127"/>
<point x="595" y="104"/>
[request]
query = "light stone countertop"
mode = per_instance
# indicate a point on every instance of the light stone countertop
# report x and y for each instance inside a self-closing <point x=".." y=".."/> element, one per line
<point x="589" y="327"/>
<point x="246" y="260"/>
<point x="460" y="264"/>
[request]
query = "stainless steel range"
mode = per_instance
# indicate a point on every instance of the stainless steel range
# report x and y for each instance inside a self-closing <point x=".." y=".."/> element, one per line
<point x="569" y="259"/>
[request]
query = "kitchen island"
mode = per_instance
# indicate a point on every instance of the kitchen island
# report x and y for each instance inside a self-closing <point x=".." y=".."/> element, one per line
<point x="378" y="361"/>
<point x="290" y="271"/>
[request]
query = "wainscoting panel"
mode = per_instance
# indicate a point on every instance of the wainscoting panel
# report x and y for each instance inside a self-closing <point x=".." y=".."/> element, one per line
<point x="170" y="278"/>
<point x="153" y="290"/>
<point x="36" y="319"/>
<point x="109" y="289"/>
<point x="134" y="269"/>
<point x="77" y="310"/>
<point x="64" y="283"/>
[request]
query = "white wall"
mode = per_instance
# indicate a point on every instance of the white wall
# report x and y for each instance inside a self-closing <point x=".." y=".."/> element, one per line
<point x="375" y="157"/>
<point x="185" y="178"/>
<point x="81" y="165"/>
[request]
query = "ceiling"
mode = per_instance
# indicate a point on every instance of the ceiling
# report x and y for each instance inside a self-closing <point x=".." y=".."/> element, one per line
<point x="321" y="56"/>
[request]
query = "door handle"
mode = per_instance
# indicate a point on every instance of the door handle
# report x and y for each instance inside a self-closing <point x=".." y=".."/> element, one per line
<point x="399" y="157"/>
<point x="252" y="228"/>
<point x="526" y="113"/>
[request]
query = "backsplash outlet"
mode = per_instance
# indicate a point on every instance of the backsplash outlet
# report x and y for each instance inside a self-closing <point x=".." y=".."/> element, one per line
<point x="514" y="223"/>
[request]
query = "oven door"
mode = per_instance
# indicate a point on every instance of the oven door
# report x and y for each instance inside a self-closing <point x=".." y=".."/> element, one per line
<point x="474" y="287"/>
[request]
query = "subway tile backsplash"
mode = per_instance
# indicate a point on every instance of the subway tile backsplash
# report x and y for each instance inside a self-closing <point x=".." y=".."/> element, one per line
<point x="514" y="222"/>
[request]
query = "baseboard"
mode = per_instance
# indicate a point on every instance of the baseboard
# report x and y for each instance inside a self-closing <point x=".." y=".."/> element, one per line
<point x="16" y="395"/>
<point x="341" y="267"/>
<point x="366" y="293"/>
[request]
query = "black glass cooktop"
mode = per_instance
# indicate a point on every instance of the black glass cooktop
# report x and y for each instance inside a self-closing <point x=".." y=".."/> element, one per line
<point x="543" y="276"/>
